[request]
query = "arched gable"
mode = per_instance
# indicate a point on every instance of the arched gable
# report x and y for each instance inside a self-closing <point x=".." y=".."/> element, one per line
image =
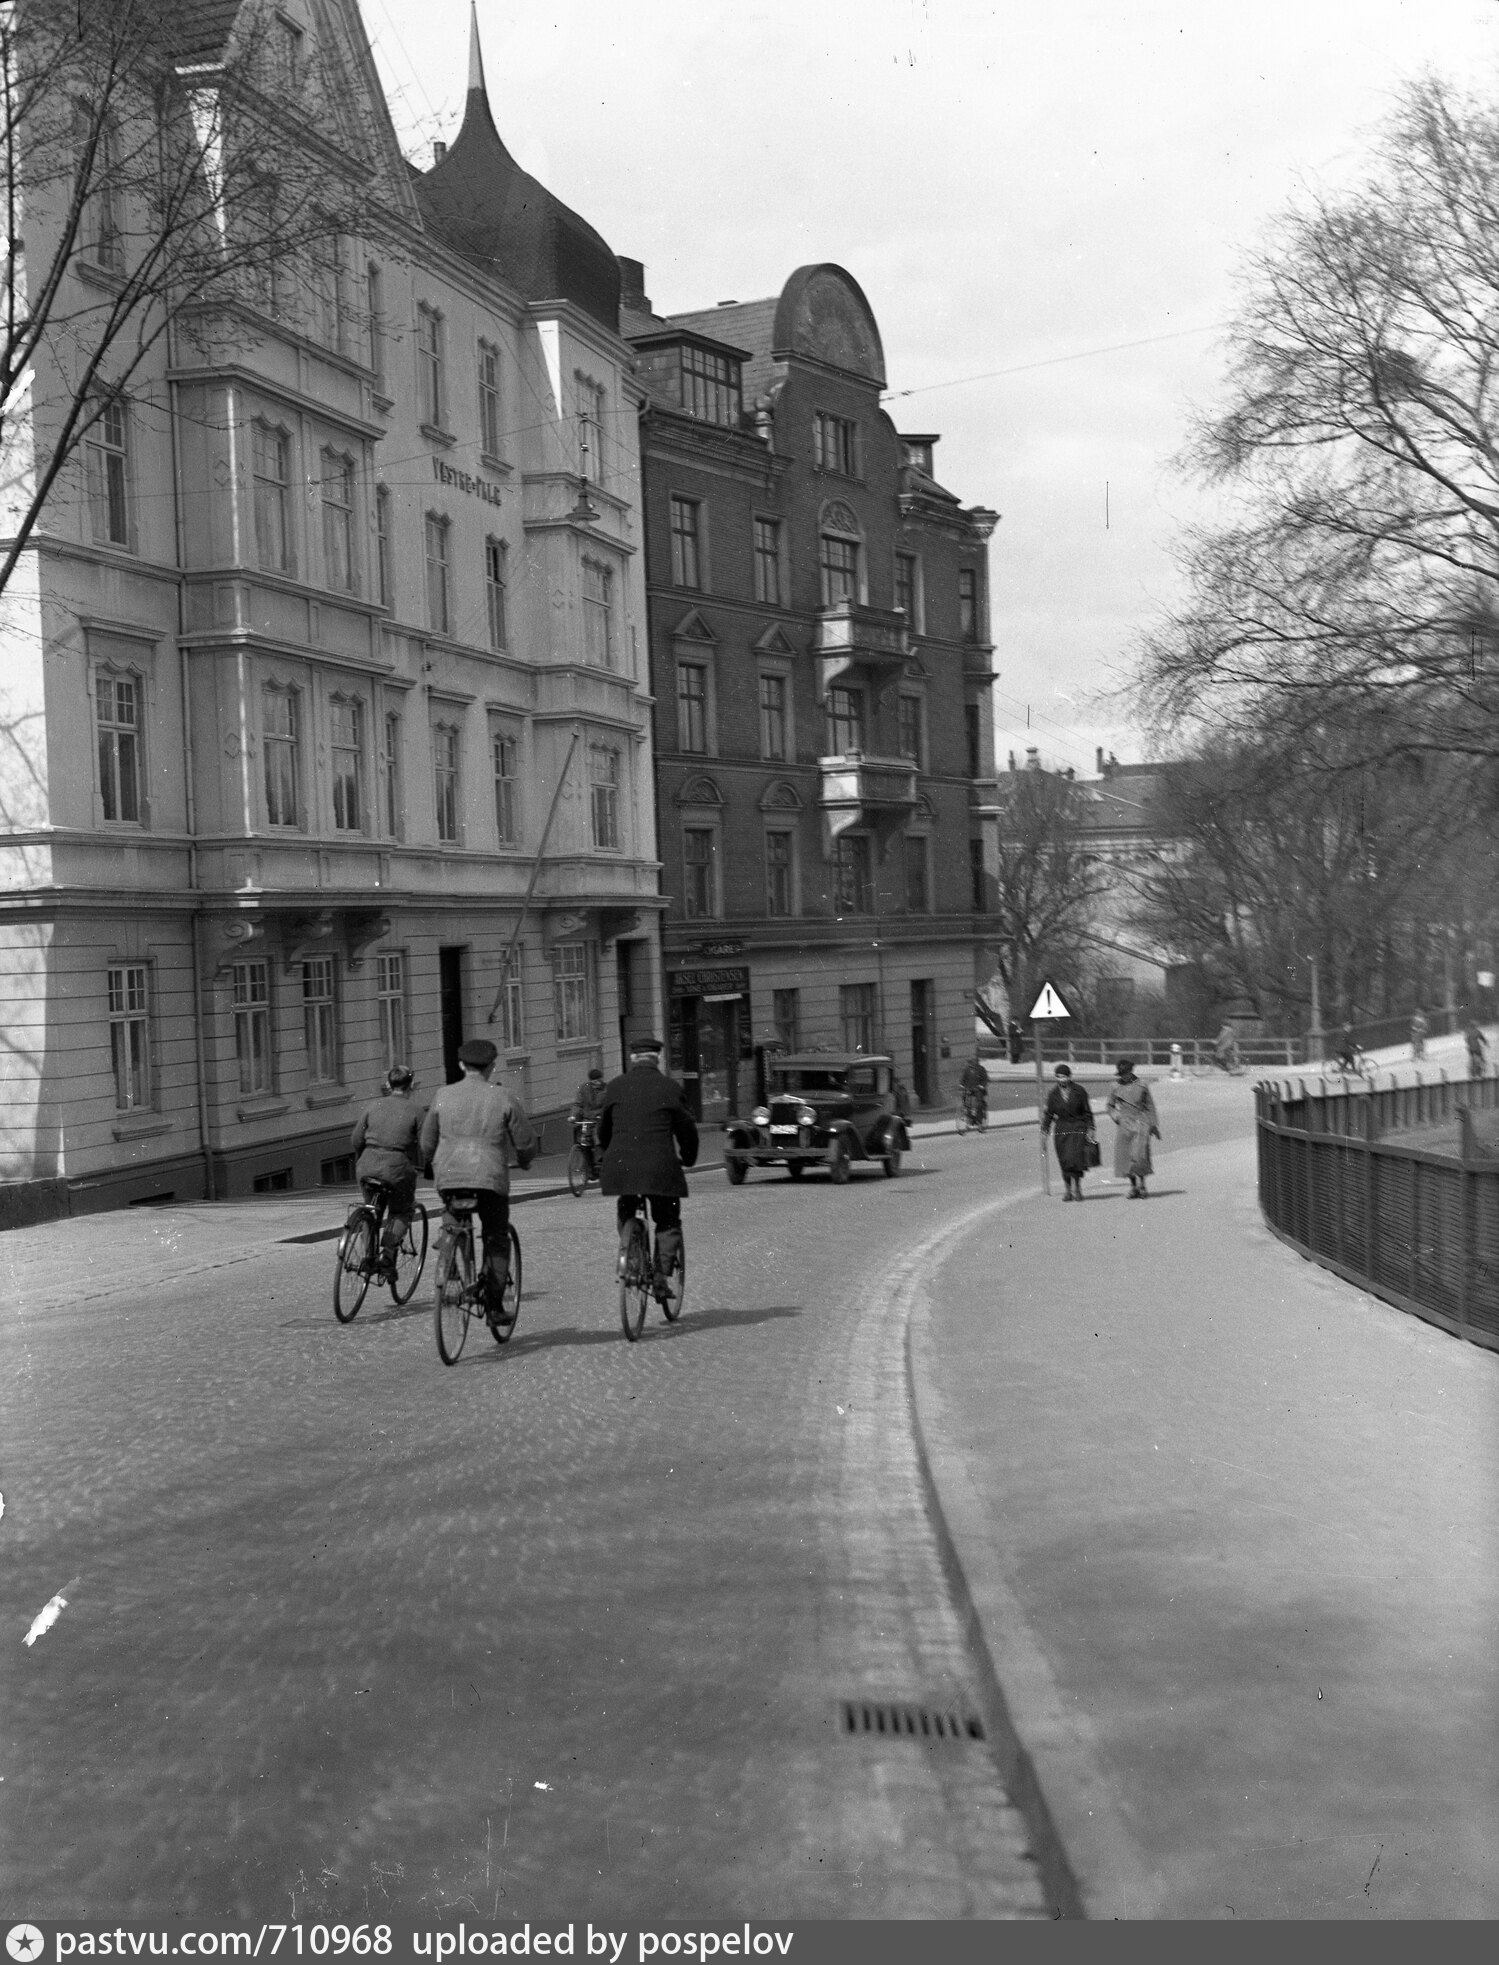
<point x="822" y="314"/>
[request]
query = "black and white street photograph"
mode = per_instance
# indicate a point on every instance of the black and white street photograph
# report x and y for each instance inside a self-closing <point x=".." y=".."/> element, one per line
<point x="749" y="974"/>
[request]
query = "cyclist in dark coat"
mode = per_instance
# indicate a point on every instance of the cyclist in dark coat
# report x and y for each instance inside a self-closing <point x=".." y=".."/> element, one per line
<point x="648" y="1137"/>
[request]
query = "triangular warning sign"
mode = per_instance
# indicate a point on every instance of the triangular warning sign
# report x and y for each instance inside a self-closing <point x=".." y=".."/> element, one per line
<point x="1048" y="1004"/>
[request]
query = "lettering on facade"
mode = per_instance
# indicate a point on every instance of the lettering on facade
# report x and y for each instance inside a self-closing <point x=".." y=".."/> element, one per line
<point x="719" y="948"/>
<point x="708" y="982"/>
<point x="466" y="481"/>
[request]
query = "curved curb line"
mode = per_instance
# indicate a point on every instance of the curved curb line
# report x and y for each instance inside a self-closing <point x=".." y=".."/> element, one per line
<point x="1015" y="1763"/>
<point x="1094" y="1833"/>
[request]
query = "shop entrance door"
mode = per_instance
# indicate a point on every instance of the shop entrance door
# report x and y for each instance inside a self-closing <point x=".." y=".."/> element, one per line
<point x="450" y="1005"/>
<point x="921" y="1042"/>
<point x="718" y="1058"/>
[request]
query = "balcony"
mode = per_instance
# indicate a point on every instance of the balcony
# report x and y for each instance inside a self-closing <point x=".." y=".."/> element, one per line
<point x="876" y="794"/>
<point x="861" y="644"/>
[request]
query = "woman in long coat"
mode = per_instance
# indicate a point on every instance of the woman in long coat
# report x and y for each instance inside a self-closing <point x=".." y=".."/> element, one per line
<point x="1133" y="1112"/>
<point x="1068" y="1109"/>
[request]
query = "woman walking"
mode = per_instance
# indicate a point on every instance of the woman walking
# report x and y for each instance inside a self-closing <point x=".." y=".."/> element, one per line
<point x="1067" y="1109"/>
<point x="1132" y="1110"/>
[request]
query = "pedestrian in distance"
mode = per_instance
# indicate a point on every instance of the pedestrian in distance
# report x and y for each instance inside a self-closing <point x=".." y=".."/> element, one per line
<point x="1068" y="1111"/>
<point x="1419" y="1028"/>
<point x="1133" y="1112"/>
<point x="470" y="1131"/>
<point x="649" y="1139"/>
<point x="387" y="1139"/>
<point x="1478" y="1048"/>
<point x="1015" y="1041"/>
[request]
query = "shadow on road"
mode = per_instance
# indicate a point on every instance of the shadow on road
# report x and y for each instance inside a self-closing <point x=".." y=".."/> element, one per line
<point x="524" y="1345"/>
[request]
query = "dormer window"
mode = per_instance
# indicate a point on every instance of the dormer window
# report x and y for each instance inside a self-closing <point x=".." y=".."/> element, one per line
<point x="918" y="451"/>
<point x="711" y="388"/>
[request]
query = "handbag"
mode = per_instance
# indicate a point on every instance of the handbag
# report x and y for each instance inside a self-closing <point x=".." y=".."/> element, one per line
<point x="1095" y="1151"/>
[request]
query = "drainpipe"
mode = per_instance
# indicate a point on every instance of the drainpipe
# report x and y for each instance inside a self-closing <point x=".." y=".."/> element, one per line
<point x="200" y="1050"/>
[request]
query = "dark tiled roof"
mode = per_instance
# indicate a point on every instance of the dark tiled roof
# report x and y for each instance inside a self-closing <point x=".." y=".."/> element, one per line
<point x="482" y="202"/>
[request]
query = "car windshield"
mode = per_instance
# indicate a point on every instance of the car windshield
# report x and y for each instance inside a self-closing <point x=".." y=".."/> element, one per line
<point x="810" y="1078"/>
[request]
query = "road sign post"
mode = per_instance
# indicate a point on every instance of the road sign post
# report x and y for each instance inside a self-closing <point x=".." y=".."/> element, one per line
<point x="1047" y="1008"/>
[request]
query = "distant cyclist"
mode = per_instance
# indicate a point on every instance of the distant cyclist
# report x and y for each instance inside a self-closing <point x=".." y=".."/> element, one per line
<point x="1348" y="1057"/>
<point x="1226" y="1048"/>
<point x="649" y="1138"/>
<point x="387" y="1138"/>
<point x="467" y="1138"/>
<point x="586" y="1108"/>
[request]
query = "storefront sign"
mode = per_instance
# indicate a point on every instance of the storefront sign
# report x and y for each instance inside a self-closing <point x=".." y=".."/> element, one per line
<point x="708" y="982"/>
<point x="466" y="481"/>
<point x="718" y="948"/>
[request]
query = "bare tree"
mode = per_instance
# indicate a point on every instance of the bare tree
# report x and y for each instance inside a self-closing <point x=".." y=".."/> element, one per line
<point x="157" y="176"/>
<point x="1050" y="886"/>
<point x="1360" y="446"/>
<point x="1272" y="868"/>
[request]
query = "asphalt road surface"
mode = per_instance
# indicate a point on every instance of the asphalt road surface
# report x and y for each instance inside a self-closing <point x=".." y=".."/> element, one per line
<point x="564" y="1630"/>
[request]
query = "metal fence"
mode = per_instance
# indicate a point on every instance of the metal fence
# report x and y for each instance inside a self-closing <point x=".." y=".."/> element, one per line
<point x="1417" y="1226"/>
<point x="1197" y="1053"/>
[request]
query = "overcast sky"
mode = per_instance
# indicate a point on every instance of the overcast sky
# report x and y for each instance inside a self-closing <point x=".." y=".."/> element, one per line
<point x="1010" y="184"/>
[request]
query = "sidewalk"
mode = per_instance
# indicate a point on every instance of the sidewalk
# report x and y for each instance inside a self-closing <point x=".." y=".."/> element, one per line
<point x="1227" y="1526"/>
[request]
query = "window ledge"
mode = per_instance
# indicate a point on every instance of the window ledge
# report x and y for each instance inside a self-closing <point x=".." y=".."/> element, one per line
<point x="435" y="435"/>
<point x="383" y="403"/>
<point x="329" y="1095"/>
<point x="266" y="1106"/>
<point x="492" y="463"/>
<point x="97" y="275"/>
<point x="148" y="1126"/>
<point x="568" y="1045"/>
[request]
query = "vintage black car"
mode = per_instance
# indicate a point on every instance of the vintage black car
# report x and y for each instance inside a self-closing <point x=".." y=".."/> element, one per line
<point x="826" y="1109"/>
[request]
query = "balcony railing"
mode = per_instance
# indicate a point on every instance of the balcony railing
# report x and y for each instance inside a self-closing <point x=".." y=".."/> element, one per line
<point x="874" y="793"/>
<point x="854" y="640"/>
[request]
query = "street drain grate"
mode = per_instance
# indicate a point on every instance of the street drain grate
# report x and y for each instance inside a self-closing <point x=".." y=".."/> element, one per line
<point x="866" y="1718"/>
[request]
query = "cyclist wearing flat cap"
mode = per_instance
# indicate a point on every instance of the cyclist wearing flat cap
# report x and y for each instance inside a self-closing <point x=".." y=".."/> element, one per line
<point x="385" y="1137"/>
<point x="648" y="1139"/>
<point x="468" y="1135"/>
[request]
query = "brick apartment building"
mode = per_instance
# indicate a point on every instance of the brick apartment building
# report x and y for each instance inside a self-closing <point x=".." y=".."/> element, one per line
<point x="821" y="662"/>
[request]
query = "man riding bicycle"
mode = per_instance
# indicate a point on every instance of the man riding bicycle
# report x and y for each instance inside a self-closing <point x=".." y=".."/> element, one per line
<point x="648" y="1137"/>
<point x="975" y="1083"/>
<point x="387" y="1137"/>
<point x="467" y="1138"/>
<point x="585" y="1117"/>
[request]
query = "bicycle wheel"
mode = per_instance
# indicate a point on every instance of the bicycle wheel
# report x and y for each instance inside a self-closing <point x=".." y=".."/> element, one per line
<point x="676" y="1286"/>
<point x="411" y="1256"/>
<point x="510" y="1301"/>
<point x="455" y="1279"/>
<point x="356" y="1257"/>
<point x="634" y="1281"/>
<point x="577" y="1170"/>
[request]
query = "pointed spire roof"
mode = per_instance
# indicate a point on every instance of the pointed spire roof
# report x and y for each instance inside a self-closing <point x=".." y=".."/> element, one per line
<point x="482" y="202"/>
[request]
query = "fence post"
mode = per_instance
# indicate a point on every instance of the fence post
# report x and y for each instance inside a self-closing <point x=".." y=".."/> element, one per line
<point x="1369" y="1135"/>
<point x="1468" y="1180"/>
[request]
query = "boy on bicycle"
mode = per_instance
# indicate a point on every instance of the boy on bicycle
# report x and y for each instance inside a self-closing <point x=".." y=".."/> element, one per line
<point x="587" y="1106"/>
<point x="467" y="1138"/>
<point x="387" y="1138"/>
<point x="648" y="1137"/>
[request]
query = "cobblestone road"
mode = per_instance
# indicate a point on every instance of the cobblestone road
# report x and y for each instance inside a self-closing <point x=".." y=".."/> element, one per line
<point x="557" y="1633"/>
